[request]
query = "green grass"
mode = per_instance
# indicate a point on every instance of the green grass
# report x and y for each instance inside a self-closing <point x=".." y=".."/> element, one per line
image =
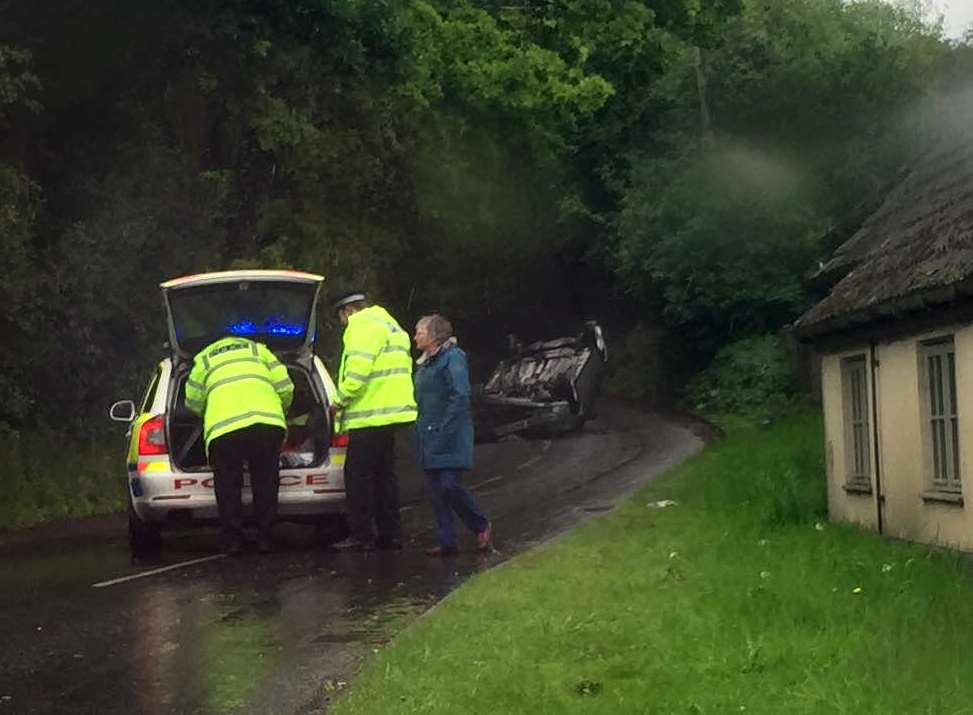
<point x="45" y="476"/>
<point x="740" y="599"/>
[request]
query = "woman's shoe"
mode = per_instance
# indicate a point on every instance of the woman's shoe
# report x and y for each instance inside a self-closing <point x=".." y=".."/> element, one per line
<point x="441" y="551"/>
<point x="484" y="540"/>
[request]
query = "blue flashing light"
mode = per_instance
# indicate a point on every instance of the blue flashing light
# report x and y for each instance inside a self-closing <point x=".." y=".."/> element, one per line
<point x="270" y="326"/>
<point x="244" y="327"/>
<point x="286" y="330"/>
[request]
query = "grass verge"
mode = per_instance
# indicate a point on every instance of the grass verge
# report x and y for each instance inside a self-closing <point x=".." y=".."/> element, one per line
<point x="741" y="598"/>
<point x="47" y="476"/>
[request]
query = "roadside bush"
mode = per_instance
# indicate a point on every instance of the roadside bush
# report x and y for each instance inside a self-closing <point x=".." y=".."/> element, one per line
<point x="47" y="476"/>
<point x="753" y="376"/>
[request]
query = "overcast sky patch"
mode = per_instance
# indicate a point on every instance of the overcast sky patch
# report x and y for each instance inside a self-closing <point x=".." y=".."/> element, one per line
<point x="958" y="15"/>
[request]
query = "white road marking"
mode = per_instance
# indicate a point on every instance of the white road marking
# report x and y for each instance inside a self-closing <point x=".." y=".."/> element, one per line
<point x="545" y="446"/>
<point x="491" y="480"/>
<point x="487" y="493"/>
<point x="530" y="462"/>
<point x="153" y="572"/>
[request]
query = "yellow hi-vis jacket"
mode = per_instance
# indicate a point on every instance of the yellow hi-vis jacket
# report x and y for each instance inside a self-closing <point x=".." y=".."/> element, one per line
<point x="236" y="383"/>
<point x="375" y="379"/>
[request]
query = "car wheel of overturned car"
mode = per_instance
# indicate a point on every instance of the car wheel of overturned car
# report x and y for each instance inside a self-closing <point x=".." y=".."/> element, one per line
<point x="143" y="539"/>
<point x="332" y="528"/>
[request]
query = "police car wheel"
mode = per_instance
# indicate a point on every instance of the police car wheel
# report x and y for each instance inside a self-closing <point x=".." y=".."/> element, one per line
<point x="143" y="539"/>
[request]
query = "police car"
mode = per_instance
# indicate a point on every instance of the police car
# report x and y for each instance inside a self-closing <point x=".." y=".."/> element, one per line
<point x="169" y="481"/>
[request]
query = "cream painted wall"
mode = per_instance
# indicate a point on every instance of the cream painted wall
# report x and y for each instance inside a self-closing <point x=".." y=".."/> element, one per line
<point x="900" y="440"/>
<point x="902" y="444"/>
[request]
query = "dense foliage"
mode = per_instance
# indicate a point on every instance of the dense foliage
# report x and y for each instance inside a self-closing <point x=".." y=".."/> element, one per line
<point x="752" y="376"/>
<point x="510" y="163"/>
<point x="814" y="105"/>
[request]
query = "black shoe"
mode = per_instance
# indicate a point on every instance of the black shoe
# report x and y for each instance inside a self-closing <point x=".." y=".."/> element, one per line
<point x="389" y="544"/>
<point x="353" y="544"/>
<point x="265" y="546"/>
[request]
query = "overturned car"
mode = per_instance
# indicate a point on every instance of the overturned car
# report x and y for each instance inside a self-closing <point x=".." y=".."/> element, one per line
<point x="544" y="388"/>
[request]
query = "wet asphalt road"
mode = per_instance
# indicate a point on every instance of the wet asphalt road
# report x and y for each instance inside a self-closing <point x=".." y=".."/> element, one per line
<point x="283" y="633"/>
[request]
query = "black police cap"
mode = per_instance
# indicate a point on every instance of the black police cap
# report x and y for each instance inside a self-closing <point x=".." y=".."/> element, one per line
<point x="343" y="296"/>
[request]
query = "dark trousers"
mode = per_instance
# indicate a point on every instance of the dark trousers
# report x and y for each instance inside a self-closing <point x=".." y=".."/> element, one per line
<point x="449" y="496"/>
<point x="259" y="447"/>
<point x="371" y="487"/>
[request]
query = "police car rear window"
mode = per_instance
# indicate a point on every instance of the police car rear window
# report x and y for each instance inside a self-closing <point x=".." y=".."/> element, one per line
<point x="274" y="314"/>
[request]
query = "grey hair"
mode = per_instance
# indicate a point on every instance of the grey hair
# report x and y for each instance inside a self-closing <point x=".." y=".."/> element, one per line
<point x="438" y="327"/>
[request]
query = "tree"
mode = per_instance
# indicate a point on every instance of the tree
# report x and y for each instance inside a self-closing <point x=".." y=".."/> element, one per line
<point x="813" y="105"/>
<point x="20" y="200"/>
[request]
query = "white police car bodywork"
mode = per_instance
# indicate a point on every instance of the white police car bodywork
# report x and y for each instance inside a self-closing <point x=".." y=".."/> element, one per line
<point x="169" y="481"/>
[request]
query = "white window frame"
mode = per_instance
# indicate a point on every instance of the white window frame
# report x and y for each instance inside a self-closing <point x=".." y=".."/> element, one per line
<point x="856" y="397"/>
<point x="940" y="403"/>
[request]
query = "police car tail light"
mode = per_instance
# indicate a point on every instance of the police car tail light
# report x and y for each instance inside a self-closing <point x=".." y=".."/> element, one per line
<point x="152" y="436"/>
<point x="339" y="440"/>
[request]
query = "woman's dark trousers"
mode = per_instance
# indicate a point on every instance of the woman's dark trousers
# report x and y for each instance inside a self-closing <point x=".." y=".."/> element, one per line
<point x="449" y="496"/>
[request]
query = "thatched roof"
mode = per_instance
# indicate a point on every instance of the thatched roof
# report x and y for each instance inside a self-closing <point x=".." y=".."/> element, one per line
<point x="913" y="254"/>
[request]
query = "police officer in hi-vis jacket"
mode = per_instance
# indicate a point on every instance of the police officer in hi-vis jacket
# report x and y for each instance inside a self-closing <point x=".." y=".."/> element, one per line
<point x="374" y="397"/>
<point x="242" y="391"/>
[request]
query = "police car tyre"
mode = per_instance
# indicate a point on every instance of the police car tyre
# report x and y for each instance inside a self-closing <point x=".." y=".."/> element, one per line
<point x="142" y="538"/>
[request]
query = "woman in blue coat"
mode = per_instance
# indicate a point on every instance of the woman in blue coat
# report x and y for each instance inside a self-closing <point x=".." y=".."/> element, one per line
<point x="445" y="433"/>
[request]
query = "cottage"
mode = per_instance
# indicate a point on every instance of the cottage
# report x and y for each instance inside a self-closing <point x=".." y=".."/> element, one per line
<point x="895" y="335"/>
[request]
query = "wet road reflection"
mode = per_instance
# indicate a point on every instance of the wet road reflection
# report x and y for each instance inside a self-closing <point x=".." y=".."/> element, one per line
<point x="281" y="633"/>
